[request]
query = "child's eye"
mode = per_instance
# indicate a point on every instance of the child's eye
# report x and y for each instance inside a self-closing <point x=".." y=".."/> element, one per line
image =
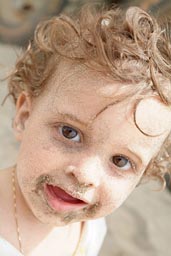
<point x="70" y="133"/>
<point x="122" y="162"/>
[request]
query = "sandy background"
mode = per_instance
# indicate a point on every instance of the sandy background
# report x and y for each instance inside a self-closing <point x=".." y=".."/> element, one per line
<point x="142" y="226"/>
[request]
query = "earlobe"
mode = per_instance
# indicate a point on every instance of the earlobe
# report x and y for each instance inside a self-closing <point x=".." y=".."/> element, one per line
<point x="23" y="109"/>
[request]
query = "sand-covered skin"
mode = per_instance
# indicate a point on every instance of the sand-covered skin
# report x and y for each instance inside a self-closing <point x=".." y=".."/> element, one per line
<point x="141" y="227"/>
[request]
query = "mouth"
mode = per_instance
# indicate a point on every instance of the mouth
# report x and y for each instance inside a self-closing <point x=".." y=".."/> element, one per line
<point x="60" y="200"/>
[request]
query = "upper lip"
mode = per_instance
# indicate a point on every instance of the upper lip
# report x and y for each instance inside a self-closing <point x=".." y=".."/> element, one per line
<point x="74" y="194"/>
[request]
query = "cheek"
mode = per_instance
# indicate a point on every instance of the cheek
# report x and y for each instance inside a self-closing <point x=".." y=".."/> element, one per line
<point x="39" y="155"/>
<point x="116" y="191"/>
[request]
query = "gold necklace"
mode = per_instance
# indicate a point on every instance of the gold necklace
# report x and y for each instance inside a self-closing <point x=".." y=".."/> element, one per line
<point x="15" y="211"/>
<point x="16" y="216"/>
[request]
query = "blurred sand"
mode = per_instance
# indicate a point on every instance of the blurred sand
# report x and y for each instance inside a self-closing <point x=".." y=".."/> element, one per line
<point x="141" y="227"/>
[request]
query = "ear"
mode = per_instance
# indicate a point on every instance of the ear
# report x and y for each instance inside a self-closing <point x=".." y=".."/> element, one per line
<point x="23" y="109"/>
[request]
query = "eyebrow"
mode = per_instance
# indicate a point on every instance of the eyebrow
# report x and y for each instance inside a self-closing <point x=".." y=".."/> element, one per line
<point x="73" y="118"/>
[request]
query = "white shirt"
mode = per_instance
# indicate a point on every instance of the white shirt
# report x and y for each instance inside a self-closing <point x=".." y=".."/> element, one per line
<point x="92" y="237"/>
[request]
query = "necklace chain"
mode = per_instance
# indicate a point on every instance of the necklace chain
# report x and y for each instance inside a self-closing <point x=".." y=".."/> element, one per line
<point x="15" y="211"/>
<point x="16" y="215"/>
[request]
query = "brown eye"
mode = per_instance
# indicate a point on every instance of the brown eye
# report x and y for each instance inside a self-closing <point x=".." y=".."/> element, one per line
<point x="69" y="133"/>
<point x="121" y="162"/>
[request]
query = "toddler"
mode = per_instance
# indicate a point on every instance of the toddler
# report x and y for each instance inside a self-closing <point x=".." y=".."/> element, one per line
<point x="92" y="96"/>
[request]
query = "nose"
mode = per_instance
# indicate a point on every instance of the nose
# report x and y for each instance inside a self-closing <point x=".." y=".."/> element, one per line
<point x="88" y="172"/>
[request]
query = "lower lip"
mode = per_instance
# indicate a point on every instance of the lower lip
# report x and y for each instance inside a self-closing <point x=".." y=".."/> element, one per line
<point x="58" y="204"/>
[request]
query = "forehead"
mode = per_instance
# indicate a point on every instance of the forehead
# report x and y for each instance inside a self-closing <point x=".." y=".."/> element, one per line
<point x="80" y="86"/>
<point x="86" y="92"/>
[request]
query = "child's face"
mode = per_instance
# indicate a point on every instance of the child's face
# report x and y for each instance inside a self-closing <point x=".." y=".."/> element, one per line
<point x="71" y="140"/>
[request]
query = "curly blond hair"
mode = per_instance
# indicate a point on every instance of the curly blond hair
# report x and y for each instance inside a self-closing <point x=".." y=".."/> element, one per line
<point x="130" y="46"/>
